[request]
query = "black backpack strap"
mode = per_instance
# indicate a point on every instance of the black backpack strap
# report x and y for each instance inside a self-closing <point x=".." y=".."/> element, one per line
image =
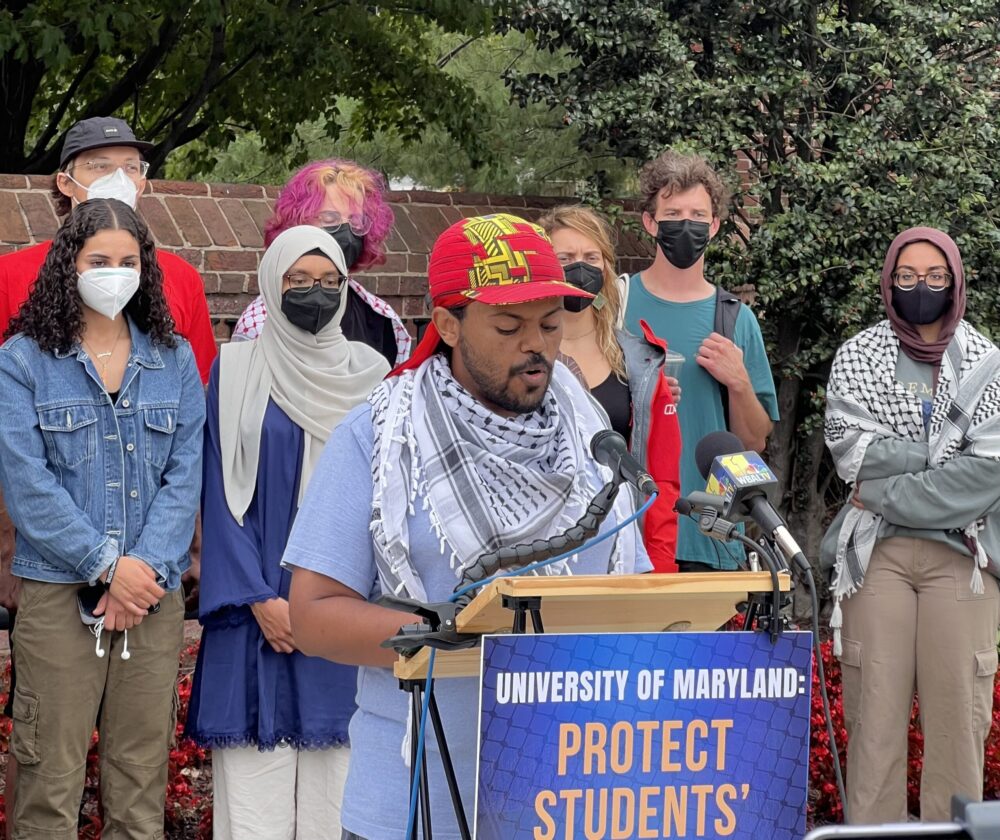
<point x="727" y="310"/>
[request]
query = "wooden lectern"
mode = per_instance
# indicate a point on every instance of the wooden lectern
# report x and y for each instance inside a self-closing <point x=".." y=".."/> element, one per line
<point x="652" y="603"/>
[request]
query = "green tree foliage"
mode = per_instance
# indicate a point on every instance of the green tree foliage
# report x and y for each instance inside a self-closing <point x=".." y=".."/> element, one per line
<point x="859" y="118"/>
<point x="524" y="149"/>
<point x="187" y="70"/>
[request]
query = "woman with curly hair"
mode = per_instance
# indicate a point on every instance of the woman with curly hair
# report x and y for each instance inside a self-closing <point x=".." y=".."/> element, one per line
<point x="348" y="202"/>
<point x="100" y="462"/>
<point x="624" y="372"/>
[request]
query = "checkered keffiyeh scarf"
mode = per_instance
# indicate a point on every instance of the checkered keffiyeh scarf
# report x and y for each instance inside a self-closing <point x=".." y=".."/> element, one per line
<point x="486" y="480"/>
<point x="864" y="402"/>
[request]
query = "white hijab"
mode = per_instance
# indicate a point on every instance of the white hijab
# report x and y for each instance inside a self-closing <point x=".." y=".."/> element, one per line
<point x="315" y="379"/>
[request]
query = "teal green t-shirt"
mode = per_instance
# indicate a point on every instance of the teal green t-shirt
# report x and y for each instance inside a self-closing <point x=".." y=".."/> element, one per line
<point x="684" y="326"/>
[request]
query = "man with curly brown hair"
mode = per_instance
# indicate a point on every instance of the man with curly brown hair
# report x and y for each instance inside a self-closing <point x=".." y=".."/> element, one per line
<point x="726" y="379"/>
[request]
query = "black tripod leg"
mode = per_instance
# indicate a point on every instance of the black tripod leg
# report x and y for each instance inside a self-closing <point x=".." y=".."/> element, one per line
<point x="449" y="771"/>
<point x="414" y="736"/>
<point x="425" y="788"/>
<point x="536" y="621"/>
<point x="520" y="625"/>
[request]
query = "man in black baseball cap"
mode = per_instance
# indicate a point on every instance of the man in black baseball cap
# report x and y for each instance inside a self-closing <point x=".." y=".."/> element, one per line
<point x="101" y="158"/>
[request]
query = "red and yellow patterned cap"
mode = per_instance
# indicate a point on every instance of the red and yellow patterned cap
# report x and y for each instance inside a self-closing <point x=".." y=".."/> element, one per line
<point x="497" y="259"/>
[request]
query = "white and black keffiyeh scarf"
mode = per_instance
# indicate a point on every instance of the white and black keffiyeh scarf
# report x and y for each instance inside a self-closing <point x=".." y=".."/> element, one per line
<point x="486" y="480"/>
<point x="865" y="402"/>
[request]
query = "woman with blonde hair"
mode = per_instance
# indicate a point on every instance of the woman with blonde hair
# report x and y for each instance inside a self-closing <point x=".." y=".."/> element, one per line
<point x="624" y="372"/>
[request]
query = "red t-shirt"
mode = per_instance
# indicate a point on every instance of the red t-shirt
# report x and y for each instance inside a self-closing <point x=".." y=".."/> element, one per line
<point x="182" y="286"/>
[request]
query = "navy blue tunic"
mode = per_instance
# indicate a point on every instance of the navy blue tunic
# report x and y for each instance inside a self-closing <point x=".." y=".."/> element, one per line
<point x="244" y="692"/>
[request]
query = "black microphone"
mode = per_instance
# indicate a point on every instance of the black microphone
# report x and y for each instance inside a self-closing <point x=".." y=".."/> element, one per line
<point x="609" y="448"/>
<point x="748" y="486"/>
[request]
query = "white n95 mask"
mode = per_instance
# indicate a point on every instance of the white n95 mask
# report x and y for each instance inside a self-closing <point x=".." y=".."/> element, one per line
<point x="116" y="185"/>
<point x="107" y="290"/>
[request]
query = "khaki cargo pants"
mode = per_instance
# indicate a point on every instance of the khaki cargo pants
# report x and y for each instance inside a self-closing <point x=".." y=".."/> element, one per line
<point x="915" y="623"/>
<point x="61" y="684"/>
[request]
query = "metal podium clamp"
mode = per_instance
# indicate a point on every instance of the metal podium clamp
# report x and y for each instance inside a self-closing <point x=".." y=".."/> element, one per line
<point x="764" y="609"/>
<point x="438" y="631"/>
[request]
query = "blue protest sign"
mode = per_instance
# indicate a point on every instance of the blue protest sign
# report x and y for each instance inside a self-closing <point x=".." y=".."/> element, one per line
<point x="612" y="736"/>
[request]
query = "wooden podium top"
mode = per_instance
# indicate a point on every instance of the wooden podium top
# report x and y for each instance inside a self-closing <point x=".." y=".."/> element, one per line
<point x="700" y="601"/>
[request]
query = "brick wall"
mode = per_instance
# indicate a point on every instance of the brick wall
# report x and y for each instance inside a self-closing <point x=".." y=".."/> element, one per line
<point x="218" y="228"/>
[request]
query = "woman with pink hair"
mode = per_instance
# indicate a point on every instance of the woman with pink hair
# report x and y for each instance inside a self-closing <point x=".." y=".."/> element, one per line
<point x="348" y="202"/>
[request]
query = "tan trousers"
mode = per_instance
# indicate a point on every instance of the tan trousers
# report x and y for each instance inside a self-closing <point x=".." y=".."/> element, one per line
<point x="61" y="684"/>
<point x="915" y="623"/>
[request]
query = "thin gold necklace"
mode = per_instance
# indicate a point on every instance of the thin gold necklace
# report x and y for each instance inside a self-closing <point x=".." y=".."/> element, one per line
<point x="104" y="359"/>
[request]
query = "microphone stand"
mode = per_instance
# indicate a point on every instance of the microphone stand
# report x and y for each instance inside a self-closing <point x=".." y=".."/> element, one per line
<point x="714" y="526"/>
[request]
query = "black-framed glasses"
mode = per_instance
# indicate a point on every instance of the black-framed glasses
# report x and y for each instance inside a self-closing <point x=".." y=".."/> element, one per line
<point x="936" y="281"/>
<point x="301" y="280"/>
<point x="332" y="219"/>
<point x="105" y="166"/>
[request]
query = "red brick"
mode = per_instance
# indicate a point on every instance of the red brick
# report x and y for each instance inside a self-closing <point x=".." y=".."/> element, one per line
<point x="467" y="211"/>
<point x="13" y="182"/>
<point x="451" y="214"/>
<point x="159" y="221"/>
<point x="413" y="307"/>
<point x="413" y="286"/>
<point x="260" y="212"/>
<point x="12" y="227"/>
<point x="231" y="284"/>
<point x="395" y="243"/>
<point x="40" y="182"/>
<point x="253" y="287"/>
<point x="428" y="197"/>
<point x="215" y="223"/>
<point x="231" y="260"/>
<point x="223" y="330"/>
<point x="228" y="305"/>
<point x="386" y="287"/>
<point x="191" y="255"/>
<point x="241" y="223"/>
<point x="236" y="191"/>
<point x="471" y="198"/>
<point x="394" y="264"/>
<point x="407" y="231"/>
<point x="430" y="221"/>
<point x="42" y="221"/>
<point x="417" y="264"/>
<point x="187" y="220"/>
<point x="211" y="282"/>
<point x="507" y="200"/>
<point x="397" y="196"/>
<point x="272" y="191"/>
<point x="7" y="249"/>
<point x="178" y="187"/>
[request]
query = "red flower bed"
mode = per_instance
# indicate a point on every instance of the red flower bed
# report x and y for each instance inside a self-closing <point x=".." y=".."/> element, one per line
<point x="189" y="807"/>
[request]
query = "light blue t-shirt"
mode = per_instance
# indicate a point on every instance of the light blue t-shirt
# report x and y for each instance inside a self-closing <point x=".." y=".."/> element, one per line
<point x="331" y="536"/>
<point x="685" y="326"/>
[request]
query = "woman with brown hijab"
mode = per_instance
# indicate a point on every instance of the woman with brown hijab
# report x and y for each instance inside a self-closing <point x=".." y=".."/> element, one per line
<point x="913" y="423"/>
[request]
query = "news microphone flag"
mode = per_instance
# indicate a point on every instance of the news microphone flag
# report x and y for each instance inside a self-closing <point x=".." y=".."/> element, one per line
<point x="735" y="475"/>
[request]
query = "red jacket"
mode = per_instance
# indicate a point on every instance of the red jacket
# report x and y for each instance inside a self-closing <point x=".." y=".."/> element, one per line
<point x="182" y="286"/>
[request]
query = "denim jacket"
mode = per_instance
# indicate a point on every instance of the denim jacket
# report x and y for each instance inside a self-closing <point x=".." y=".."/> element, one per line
<point x="86" y="481"/>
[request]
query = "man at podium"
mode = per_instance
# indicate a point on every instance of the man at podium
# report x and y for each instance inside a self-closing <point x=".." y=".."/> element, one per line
<point x="480" y="440"/>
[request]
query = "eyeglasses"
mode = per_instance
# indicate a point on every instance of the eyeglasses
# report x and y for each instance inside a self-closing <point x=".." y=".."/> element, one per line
<point x="105" y="166"/>
<point x="332" y="219"/>
<point x="300" y="280"/>
<point x="936" y="281"/>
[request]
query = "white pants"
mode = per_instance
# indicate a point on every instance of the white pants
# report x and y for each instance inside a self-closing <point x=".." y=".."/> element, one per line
<point x="286" y="794"/>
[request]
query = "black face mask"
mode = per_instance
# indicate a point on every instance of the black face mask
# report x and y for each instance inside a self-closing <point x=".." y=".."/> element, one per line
<point x="584" y="276"/>
<point x="682" y="242"/>
<point x="310" y="309"/>
<point x="350" y="243"/>
<point x="920" y="305"/>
